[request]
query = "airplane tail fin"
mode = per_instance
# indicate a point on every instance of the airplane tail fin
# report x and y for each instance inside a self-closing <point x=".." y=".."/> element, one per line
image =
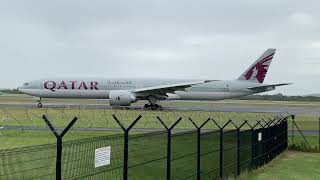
<point x="258" y="70"/>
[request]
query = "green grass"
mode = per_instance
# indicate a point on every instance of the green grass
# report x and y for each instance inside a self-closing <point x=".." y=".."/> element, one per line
<point x="306" y="122"/>
<point x="299" y="143"/>
<point x="143" y="149"/>
<point x="147" y="157"/>
<point x="103" y="118"/>
<point x="17" y="139"/>
<point x="291" y="166"/>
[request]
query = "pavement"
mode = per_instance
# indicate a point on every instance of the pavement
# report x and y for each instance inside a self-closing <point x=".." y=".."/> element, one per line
<point x="228" y="108"/>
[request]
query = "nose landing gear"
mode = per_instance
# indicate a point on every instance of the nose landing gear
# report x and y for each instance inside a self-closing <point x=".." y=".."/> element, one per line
<point x="40" y="105"/>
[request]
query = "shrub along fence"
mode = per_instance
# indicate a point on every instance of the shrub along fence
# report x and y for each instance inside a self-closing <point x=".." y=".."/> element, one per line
<point x="199" y="153"/>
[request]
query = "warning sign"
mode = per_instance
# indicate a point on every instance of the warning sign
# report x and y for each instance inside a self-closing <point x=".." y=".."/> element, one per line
<point x="102" y="156"/>
<point x="259" y="136"/>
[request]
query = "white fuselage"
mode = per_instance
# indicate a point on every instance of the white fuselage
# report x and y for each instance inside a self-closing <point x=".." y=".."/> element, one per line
<point x="99" y="88"/>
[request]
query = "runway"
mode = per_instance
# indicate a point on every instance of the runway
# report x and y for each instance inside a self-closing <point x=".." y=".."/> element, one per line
<point x="225" y="108"/>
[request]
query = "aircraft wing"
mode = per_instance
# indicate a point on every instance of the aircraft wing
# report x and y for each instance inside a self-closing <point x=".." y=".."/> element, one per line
<point x="267" y="86"/>
<point x="164" y="89"/>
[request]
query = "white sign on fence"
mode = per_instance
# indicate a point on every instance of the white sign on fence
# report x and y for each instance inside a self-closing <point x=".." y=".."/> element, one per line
<point x="102" y="156"/>
<point x="259" y="136"/>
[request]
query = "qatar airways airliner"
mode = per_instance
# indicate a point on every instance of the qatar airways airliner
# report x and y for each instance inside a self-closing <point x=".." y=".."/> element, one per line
<point x="124" y="92"/>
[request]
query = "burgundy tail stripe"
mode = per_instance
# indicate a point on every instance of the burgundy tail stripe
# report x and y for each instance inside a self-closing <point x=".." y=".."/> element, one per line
<point x="263" y="61"/>
<point x="271" y="55"/>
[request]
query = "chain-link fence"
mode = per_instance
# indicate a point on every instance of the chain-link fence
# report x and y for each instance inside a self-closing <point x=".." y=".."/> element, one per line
<point x="208" y="151"/>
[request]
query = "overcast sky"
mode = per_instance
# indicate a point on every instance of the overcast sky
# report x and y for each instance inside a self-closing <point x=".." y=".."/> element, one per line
<point x="160" y="39"/>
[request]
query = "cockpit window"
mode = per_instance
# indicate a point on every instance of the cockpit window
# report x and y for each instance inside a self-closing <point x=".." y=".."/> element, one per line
<point x="26" y="84"/>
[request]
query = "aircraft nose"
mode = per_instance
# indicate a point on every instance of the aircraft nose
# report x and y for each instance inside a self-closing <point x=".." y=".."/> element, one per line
<point x="23" y="86"/>
<point x="19" y="88"/>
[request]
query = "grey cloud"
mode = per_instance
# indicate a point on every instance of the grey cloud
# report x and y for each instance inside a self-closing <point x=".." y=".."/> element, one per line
<point x="170" y="39"/>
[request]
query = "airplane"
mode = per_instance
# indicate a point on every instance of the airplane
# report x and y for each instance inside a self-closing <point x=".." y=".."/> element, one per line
<point x="124" y="92"/>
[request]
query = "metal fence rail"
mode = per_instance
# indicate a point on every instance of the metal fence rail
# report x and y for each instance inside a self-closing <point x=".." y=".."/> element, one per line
<point x="199" y="153"/>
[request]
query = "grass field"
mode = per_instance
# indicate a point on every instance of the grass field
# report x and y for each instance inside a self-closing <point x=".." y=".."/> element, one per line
<point x="103" y="118"/>
<point x="95" y="118"/>
<point x="14" y="139"/>
<point x="291" y="165"/>
<point x="147" y="157"/>
<point x="299" y="143"/>
<point x="90" y="118"/>
<point x="151" y="151"/>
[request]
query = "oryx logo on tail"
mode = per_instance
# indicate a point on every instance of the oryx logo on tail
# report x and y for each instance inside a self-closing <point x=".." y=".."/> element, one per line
<point x="258" y="70"/>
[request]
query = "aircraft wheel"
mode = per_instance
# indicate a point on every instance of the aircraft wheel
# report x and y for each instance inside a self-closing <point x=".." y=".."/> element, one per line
<point x="146" y="106"/>
<point x="152" y="107"/>
<point x="156" y="107"/>
<point x="40" y="105"/>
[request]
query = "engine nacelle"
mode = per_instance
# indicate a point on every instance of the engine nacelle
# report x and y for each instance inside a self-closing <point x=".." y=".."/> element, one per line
<point x="121" y="98"/>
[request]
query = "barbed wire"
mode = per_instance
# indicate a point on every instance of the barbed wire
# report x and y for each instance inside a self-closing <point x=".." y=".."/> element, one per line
<point x="102" y="118"/>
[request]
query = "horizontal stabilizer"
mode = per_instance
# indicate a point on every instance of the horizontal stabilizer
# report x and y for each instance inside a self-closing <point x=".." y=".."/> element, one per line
<point x="267" y="86"/>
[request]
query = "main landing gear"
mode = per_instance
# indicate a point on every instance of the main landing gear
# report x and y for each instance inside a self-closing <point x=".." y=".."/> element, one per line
<point x="152" y="104"/>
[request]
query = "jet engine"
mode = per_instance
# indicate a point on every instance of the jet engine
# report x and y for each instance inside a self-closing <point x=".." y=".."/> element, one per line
<point x="121" y="98"/>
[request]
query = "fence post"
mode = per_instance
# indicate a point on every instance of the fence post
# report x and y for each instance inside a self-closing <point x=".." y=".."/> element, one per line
<point x="253" y="144"/>
<point x="59" y="158"/>
<point x="292" y="129"/>
<point x="221" y="153"/>
<point x="285" y="121"/>
<point x="199" y="145"/>
<point x="198" y="153"/>
<point x="319" y="134"/>
<point x="126" y="143"/>
<point x="221" y="149"/>
<point x="238" y="145"/>
<point x="221" y="145"/>
<point x="263" y="141"/>
<point x="169" y="129"/>
<point x="125" y="155"/>
<point x="59" y="142"/>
